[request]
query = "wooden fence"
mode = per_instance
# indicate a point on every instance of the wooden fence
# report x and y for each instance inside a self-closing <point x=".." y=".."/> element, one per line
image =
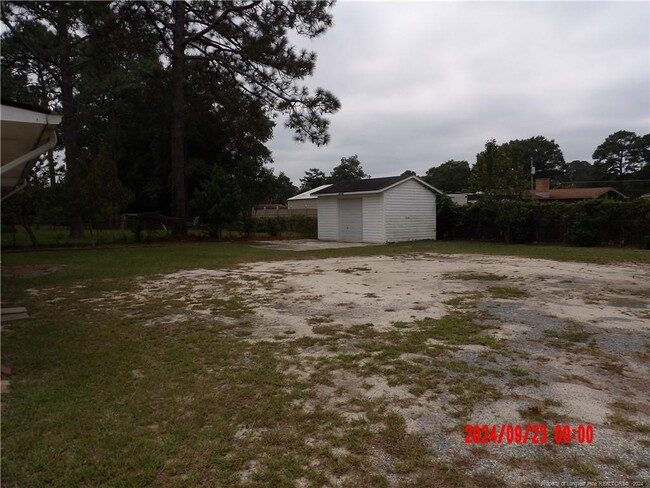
<point x="263" y="213"/>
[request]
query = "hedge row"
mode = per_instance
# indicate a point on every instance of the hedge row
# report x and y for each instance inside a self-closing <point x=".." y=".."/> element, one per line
<point x="586" y="223"/>
<point x="298" y="224"/>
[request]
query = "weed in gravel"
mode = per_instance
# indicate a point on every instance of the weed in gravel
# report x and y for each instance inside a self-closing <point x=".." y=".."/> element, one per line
<point x="507" y="292"/>
<point x="580" y="468"/>
<point x="468" y="391"/>
<point x="488" y="480"/>
<point x="474" y="276"/>
<point x="539" y="411"/>
<point x="323" y="319"/>
<point x="569" y="336"/>
<point x="521" y="377"/>
<point x="626" y="406"/>
<point x="618" y="464"/>
<point x="464" y="300"/>
<point x="354" y="269"/>
<point x="628" y="424"/>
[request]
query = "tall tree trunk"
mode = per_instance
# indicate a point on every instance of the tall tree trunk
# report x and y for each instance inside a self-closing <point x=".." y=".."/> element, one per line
<point x="178" y="121"/>
<point x="51" y="167"/>
<point x="69" y="116"/>
<point x="28" y="228"/>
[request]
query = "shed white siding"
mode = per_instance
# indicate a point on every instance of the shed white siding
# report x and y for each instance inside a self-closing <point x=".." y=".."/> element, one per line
<point x="351" y="219"/>
<point x="410" y="212"/>
<point x="328" y="218"/>
<point x="373" y="219"/>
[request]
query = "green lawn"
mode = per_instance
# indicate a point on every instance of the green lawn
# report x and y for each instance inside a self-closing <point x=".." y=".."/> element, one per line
<point x="98" y="397"/>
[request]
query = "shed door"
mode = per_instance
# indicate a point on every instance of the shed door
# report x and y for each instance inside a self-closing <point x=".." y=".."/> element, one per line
<point x="351" y="220"/>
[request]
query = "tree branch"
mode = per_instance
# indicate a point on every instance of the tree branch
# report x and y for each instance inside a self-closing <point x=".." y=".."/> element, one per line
<point x="21" y="39"/>
<point x="221" y="18"/>
<point x="154" y="21"/>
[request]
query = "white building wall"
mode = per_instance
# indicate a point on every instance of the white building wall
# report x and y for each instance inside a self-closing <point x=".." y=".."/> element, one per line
<point x="373" y="219"/>
<point x="328" y="218"/>
<point x="410" y="212"/>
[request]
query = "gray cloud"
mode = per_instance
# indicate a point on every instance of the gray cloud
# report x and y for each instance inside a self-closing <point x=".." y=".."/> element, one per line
<point x="424" y="82"/>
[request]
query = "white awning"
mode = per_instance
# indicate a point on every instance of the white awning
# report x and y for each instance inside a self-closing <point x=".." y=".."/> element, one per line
<point x="26" y="134"/>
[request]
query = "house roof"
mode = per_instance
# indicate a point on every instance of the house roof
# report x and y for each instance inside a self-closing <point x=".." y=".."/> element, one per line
<point x="309" y="194"/>
<point x="574" y="193"/>
<point x="370" y="185"/>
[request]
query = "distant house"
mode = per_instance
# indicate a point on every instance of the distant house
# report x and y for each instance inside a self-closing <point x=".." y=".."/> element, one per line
<point x="464" y="198"/>
<point x="378" y="210"/>
<point x="305" y="200"/>
<point x="544" y="192"/>
<point x="269" y="210"/>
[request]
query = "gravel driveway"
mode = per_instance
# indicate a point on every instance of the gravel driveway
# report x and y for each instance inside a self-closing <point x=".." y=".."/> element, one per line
<point x="444" y="341"/>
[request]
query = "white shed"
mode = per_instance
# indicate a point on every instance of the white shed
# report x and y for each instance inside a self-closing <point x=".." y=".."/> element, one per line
<point x="378" y="210"/>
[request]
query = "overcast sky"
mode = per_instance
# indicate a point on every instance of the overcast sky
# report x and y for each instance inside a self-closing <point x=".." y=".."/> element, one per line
<point x="424" y="82"/>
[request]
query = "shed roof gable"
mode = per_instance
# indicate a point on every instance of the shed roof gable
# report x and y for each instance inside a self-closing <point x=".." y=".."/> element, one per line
<point x="370" y="185"/>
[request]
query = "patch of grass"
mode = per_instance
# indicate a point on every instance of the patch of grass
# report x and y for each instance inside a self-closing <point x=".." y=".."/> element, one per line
<point x="628" y="424"/>
<point x="231" y="307"/>
<point x="626" y="406"/>
<point x="522" y="377"/>
<point x="474" y="276"/>
<point x="517" y="371"/>
<point x="572" y="334"/>
<point x="457" y="329"/>
<point x="400" y="324"/>
<point x="464" y="300"/>
<point x="619" y="464"/>
<point x="362" y="330"/>
<point x="354" y="269"/>
<point x="539" y="412"/>
<point x="329" y="330"/>
<point x="580" y="468"/>
<point x="321" y="319"/>
<point x="468" y="391"/>
<point x="507" y="292"/>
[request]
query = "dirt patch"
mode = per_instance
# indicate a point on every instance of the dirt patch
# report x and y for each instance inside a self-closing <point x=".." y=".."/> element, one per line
<point x="427" y="339"/>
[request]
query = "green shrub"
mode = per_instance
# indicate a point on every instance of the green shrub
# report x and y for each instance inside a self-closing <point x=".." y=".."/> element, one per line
<point x="586" y="223"/>
<point x="274" y="226"/>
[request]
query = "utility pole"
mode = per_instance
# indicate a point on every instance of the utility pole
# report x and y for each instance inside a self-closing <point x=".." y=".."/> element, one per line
<point x="532" y="173"/>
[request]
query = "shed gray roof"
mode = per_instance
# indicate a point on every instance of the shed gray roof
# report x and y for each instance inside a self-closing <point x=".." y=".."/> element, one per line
<point x="369" y="185"/>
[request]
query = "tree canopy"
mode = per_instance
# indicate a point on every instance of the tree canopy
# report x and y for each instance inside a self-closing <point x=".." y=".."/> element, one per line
<point x="245" y="44"/>
<point x="450" y="177"/>
<point x="495" y="172"/>
<point x="349" y="169"/>
<point x="545" y="156"/>
<point x="621" y="153"/>
<point x="170" y="89"/>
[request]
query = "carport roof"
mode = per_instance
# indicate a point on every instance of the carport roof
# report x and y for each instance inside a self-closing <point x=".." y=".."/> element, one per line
<point x="369" y="185"/>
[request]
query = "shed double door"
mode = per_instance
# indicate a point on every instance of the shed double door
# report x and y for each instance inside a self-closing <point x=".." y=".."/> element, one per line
<point x="351" y="220"/>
